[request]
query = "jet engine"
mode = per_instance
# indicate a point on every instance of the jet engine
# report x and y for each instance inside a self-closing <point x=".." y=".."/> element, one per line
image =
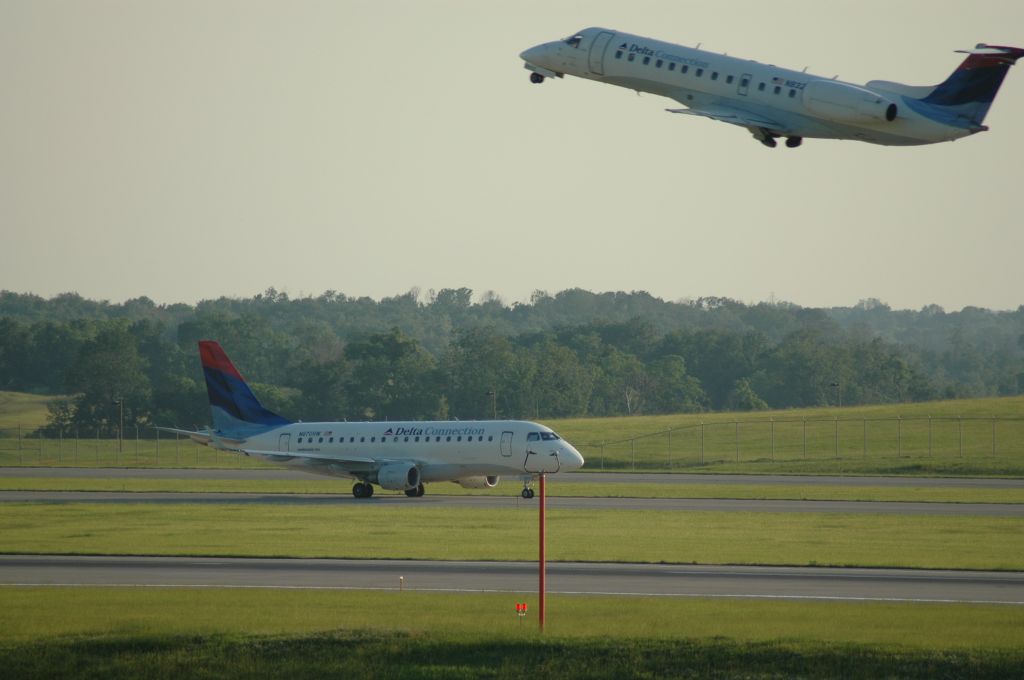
<point x="478" y="482"/>
<point x="843" y="103"/>
<point x="399" y="476"/>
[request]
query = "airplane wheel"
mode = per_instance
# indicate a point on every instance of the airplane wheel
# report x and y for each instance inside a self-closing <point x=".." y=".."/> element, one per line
<point x="794" y="142"/>
<point x="362" y="490"/>
<point x="527" y="493"/>
<point x="771" y="143"/>
<point x="415" y="492"/>
<point x="420" y="491"/>
<point x="536" y="78"/>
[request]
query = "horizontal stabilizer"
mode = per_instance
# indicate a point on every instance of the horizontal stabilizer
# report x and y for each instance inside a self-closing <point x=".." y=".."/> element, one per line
<point x="201" y="437"/>
<point x="1010" y="54"/>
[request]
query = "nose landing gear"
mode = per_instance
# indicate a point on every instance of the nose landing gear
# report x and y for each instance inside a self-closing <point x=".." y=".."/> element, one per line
<point x="527" y="493"/>
<point x="794" y="142"/>
<point x="536" y="78"/>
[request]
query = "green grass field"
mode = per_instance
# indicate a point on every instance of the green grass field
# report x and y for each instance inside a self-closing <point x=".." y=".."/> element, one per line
<point x="445" y="533"/>
<point x="164" y="632"/>
<point x="893" y="439"/>
<point x="555" y="488"/>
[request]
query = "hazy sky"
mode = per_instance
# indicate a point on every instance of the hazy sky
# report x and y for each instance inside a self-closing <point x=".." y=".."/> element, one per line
<point x="191" y="149"/>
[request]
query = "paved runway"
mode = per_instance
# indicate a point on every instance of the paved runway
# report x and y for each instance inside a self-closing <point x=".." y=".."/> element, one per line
<point x="343" y="499"/>
<point x="520" y="577"/>
<point x="564" y="477"/>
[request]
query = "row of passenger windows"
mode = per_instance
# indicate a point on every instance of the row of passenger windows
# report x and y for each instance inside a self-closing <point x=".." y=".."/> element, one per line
<point x="362" y="440"/>
<point x="699" y="73"/>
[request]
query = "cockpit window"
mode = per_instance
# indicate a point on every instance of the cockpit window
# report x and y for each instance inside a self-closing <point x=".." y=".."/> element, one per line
<point x="574" y="41"/>
<point x="533" y="437"/>
<point x="548" y="436"/>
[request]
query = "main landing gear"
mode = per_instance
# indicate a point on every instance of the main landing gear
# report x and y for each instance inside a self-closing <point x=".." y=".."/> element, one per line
<point x="536" y="78"/>
<point x="362" y="490"/>
<point x="415" y="492"/>
<point x="769" y="138"/>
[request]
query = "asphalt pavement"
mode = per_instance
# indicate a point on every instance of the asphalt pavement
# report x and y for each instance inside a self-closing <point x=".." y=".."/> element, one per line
<point x="808" y="583"/>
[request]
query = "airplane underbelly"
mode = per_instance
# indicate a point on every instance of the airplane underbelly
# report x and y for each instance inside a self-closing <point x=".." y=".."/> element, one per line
<point x="446" y="472"/>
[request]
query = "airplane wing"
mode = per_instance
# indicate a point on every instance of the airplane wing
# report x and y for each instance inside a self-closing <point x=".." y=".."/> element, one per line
<point x="350" y="460"/>
<point x="349" y="466"/>
<point x="733" y="116"/>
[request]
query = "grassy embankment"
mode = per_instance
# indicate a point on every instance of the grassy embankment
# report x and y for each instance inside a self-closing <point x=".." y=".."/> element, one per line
<point x="122" y="632"/>
<point x="888" y="439"/>
<point x="20" y="408"/>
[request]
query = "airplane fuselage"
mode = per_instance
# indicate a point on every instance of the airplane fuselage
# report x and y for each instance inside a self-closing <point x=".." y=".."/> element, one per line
<point x="441" y="450"/>
<point x="769" y="100"/>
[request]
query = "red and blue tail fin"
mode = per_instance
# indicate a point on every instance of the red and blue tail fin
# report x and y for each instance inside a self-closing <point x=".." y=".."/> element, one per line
<point x="969" y="92"/>
<point x="236" y="410"/>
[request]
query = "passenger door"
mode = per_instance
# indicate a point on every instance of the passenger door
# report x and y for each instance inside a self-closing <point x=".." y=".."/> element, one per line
<point x="506" y="444"/>
<point x="597" y="50"/>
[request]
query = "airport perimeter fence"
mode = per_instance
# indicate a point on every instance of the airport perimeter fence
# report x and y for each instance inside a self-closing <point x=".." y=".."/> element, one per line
<point x="746" y="441"/>
<point x="102" y="447"/>
<point x="812" y="439"/>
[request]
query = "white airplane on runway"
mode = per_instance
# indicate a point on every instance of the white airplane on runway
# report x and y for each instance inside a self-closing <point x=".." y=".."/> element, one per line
<point x="774" y="102"/>
<point x="399" y="456"/>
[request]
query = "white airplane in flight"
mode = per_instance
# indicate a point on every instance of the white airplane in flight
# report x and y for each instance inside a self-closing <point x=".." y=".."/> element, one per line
<point x="399" y="456"/>
<point x="774" y="102"/>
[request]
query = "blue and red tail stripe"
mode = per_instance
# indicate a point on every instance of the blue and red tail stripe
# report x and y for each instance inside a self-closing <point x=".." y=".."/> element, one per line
<point x="235" y="408"/>
<point x="214" y="357"/>
<point x="977" y="80"/>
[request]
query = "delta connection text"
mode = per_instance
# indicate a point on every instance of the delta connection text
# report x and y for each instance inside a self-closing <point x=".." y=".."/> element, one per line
<point x="667" y="56"/>
<point x="416" y="431"/>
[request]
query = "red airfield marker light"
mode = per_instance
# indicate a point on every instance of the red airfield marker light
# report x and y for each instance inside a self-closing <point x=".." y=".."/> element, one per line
<point x="520" y="611"/>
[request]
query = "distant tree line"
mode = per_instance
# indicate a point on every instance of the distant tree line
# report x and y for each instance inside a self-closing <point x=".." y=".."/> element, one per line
<point x="444" y="355"/>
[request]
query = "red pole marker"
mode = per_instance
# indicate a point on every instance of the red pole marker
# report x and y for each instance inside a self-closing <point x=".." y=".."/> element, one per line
<point x="542" y="585"/>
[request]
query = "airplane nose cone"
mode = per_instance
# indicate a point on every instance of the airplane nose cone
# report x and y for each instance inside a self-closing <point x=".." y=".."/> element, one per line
<point x="533" y="54"/>
<point x="574" y="459"/>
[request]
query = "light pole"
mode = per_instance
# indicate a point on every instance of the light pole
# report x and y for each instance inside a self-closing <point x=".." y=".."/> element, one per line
<point x="839" y="393"/>
<point x="120" y="430"/>
<point x="494" y="404"/>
